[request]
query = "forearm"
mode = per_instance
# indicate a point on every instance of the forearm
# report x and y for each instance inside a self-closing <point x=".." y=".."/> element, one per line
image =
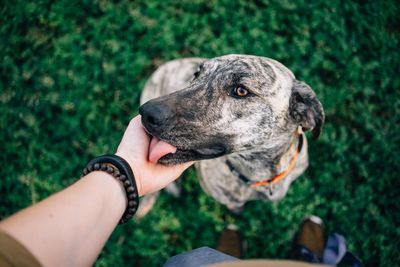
<point x="71" y="227"/>
<point x="74" y="234"/>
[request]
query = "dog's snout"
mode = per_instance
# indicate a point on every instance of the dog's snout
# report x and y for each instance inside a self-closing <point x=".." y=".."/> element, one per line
<point x="155" y="115"/>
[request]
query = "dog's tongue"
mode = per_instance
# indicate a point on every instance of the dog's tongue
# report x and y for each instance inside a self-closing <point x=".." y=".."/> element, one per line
<point x="158" y="149"/>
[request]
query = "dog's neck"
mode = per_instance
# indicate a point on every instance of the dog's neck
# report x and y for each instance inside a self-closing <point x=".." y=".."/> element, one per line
<point x="267" y="161"/>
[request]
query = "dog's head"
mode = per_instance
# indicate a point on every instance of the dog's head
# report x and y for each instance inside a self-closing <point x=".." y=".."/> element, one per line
<point x="234" y="103"/>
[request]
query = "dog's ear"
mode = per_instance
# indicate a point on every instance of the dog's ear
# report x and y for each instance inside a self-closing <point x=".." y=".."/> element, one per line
<point x="305" y="108"/>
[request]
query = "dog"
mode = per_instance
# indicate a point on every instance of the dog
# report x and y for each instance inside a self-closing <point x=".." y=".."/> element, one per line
<point x="240" y="117"/>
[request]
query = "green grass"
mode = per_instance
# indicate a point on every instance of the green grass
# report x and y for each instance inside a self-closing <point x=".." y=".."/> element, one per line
<point x="71" y="76"/>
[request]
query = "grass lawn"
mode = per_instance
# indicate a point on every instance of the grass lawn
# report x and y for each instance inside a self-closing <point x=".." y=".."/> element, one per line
<point x="72" y="71"/>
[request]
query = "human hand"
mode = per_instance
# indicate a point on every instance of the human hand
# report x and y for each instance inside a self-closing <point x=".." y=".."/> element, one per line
<point x="135" y="148"/>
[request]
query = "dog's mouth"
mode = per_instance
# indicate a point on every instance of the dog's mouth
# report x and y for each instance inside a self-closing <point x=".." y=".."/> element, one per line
<point x="159" y="149"/>
<point x="170" y="151"/>
<point x="166" y="153"/>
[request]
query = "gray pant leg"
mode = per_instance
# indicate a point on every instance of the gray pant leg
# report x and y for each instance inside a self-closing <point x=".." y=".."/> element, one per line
<point x="198" y="257"/>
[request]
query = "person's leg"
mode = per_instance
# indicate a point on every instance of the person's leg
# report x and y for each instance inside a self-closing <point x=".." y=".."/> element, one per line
<point x="309" y="240"/>
<point x="198" y="257"/>
<point x="230" y="242"/>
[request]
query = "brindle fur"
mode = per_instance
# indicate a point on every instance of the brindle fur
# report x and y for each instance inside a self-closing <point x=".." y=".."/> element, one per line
<point x="256" y="133"/>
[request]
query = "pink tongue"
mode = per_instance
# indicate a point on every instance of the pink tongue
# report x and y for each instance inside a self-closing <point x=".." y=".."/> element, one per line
<point x="159" y="149"/>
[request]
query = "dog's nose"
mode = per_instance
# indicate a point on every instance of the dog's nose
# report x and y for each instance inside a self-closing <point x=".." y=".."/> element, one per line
<point x="154" y="115"/>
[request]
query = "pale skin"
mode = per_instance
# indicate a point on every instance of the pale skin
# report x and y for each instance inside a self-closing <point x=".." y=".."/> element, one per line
<point x="71" y="227"/>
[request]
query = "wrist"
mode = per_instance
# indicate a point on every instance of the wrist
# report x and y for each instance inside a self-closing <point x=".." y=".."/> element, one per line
<point x="119" y="169"/>
<point x="111" y="190"/>
<point x="135" y="169"/>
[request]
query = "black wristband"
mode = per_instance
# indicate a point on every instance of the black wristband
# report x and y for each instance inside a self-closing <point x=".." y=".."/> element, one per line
<point x="120" y="169"/>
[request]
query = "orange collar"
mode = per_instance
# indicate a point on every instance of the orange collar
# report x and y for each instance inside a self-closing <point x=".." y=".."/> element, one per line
<point x="280" y="176"/>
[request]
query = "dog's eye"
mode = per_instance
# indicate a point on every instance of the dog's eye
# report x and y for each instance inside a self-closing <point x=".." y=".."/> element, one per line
<point x="240" y="91"/>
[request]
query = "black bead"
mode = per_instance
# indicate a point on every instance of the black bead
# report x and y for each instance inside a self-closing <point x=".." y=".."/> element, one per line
<point x="122" y="177"/>
<point x="127" y="183"/>
<point x="110" y="169"/>
<point x="85" y="171"/>
<point x="103" y="167"/>
<point x="132" y="196"/>
<point x="90" y="168"/>
<point x="96" y="166"/>
<point x="130" y="189"/>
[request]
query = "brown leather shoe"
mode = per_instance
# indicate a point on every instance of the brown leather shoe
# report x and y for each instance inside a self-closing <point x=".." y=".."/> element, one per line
<point x="230" y="242"/>
<point x="309" y="241"/>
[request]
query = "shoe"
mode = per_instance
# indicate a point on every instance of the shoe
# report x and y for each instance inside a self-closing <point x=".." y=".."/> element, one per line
<point x="309" y="241"/>
<point x="230" y="242"/>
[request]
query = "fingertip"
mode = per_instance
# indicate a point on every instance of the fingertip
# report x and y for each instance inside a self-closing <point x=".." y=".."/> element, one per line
<point x="135" y="120"/>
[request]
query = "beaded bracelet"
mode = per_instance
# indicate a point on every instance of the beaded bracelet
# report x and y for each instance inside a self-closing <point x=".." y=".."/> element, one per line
<point x="120" y="169"/>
